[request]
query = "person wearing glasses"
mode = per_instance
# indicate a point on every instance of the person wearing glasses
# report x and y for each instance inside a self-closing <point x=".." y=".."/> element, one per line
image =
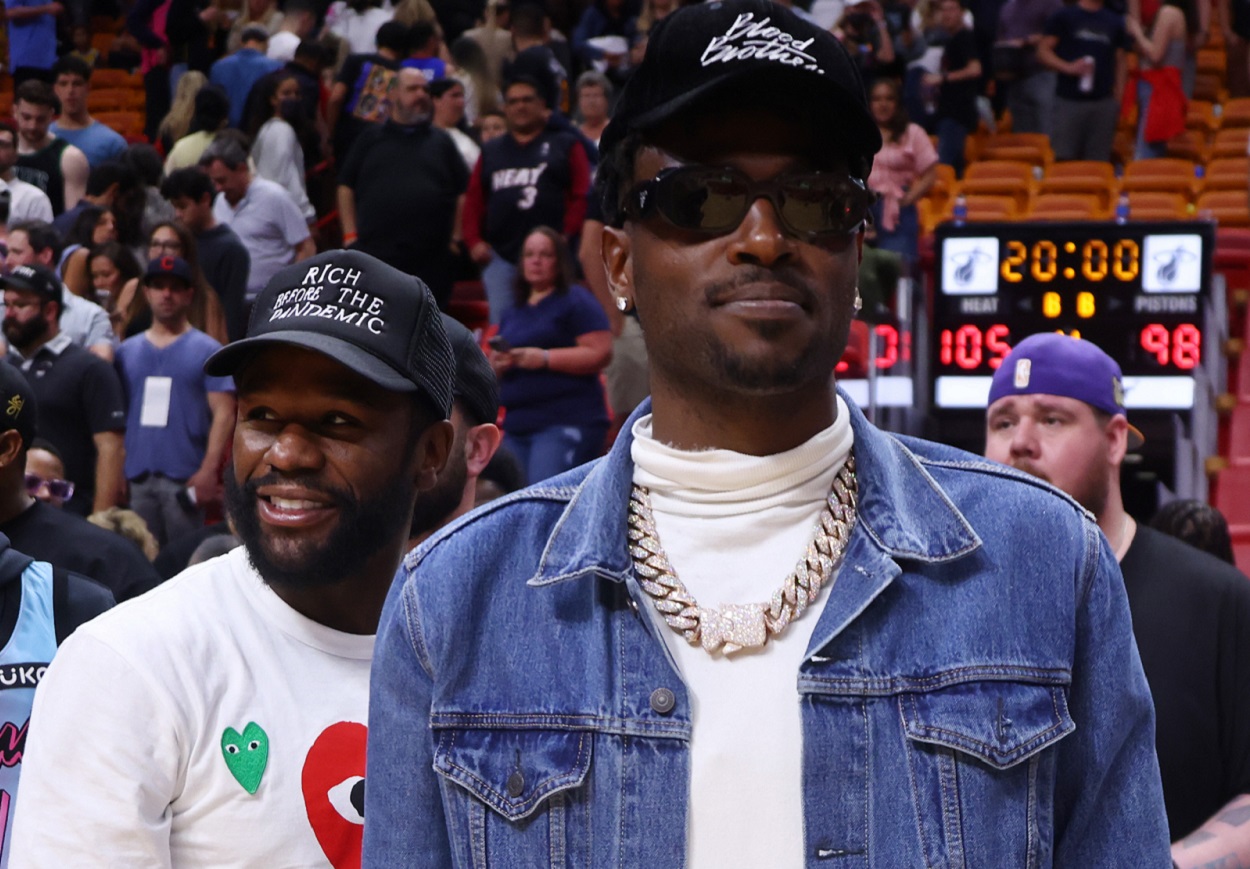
<point x="173" y="239"/>
<point x="760" y="631"/>
<point x="34" y="486"/>
<point x="45" y="474"/>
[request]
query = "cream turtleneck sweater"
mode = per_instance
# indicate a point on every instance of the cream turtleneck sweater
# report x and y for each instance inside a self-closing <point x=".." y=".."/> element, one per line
<point x="733" y="527"/>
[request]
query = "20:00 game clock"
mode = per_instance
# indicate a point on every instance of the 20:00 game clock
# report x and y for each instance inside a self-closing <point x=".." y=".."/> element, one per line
<point x="1137" y="290"/>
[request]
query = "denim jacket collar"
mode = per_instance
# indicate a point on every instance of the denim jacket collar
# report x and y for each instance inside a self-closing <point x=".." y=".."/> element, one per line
<point x="903" y="512"/>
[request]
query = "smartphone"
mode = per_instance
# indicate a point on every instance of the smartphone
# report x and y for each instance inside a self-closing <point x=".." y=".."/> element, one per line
<point x="499" y="344"/>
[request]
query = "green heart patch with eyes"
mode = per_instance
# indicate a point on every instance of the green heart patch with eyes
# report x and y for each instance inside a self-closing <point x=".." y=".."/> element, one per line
<point x="246" y="754"/>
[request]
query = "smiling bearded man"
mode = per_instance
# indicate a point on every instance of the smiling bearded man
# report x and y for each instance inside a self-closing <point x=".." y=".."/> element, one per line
<point x="220" y="719"/>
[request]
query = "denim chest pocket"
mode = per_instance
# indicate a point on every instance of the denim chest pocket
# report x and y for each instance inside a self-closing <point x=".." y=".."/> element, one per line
<point x="514" y="797"/>
<point x="980" y="769"/>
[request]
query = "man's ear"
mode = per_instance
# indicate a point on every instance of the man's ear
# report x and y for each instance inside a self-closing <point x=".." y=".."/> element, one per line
<point x="480" y="444"/>
<point x="433" y="447"/>
<point x="1116" y="433"/>
<point x="11" y="449"/>
<point x="617" y="252"/>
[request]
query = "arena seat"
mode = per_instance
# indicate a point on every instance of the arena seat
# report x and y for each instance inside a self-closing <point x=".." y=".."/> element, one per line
<point x="1230" y="208"/>
<point x="1161" y="174"/>
<point x="1000" y="178"/>
<point x="1031" y="148"/>
<point x="1211" y="61"/>
<point x="1227" y="173"/>
<point x="1201" y="116"/>
<point x="1210" y="88"/>
<point x="1230" y="142"/>
<point x="1236" y="113"/>
<point x="1066" y="206"/>
<point x="1191" y="145"/>
<point x="116" y="78"/>
<point x="1157" y="205"/>
<point x="1081" y="176"/>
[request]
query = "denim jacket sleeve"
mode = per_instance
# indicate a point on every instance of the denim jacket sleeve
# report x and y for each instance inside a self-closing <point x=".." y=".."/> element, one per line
<point x="405" y="825"/>
<point x="1108" y="790"/>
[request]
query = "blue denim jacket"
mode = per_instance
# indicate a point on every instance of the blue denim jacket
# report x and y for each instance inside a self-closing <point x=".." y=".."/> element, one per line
<point x="971" y="696"/>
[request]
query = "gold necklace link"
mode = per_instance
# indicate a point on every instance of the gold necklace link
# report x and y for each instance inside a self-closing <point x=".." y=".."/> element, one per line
<point x="739" y="626"/>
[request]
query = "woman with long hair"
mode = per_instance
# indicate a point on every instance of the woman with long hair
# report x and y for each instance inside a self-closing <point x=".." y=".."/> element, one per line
<point x="276" y="149"/>
<point x="171" y="238"/>
<point x="481" y="87"/>
<point x="177" y="123"/>
<point x="1159" y="91"/>
<point x="548" y="355"/>
<point x="902" y="172"/>
<point x="94" y="226"/>
<point x="111" y="266"/>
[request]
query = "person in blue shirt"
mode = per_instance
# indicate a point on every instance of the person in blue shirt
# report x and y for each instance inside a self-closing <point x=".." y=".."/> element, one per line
<point x="72" y="83"/>
<point x="179" y="418"/>
<point x="237" y="73"/>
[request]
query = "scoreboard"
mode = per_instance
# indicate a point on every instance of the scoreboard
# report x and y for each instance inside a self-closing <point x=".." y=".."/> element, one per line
<point x="1137" y="290"/>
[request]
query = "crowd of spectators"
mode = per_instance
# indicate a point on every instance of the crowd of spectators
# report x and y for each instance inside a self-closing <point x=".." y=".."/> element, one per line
<point x="444" y="137"/>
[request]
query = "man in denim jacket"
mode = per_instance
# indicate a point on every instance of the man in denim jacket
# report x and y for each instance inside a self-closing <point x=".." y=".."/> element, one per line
<point x="626" y="666"/>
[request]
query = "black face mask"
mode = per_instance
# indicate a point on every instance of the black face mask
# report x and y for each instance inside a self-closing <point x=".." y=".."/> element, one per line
<point x="291" y="111"/>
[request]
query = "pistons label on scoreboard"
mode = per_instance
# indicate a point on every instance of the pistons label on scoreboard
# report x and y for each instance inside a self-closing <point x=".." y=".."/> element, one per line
<point x="970" y="266"/>
<point x="1172" y="264"/>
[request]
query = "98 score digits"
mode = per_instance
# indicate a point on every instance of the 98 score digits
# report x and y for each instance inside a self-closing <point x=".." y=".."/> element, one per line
<point x="1137" y="290"/>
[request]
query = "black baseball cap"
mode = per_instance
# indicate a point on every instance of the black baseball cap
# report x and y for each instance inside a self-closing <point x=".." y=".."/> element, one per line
<point x="706" y="48"/>
<point x="379" y="322"/>
<point x="174" y="266"/>
<point x="18" y="410"/>
<point x="476" y="386"/>
<point x="37" y="279"/>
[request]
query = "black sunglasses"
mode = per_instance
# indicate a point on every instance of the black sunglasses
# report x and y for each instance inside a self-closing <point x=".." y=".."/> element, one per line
<point x="61" y="489"/>
<point x="713" y="200"/>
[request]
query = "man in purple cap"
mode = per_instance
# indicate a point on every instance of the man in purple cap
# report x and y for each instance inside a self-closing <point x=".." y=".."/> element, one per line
<point x="760" y="632"/>
<point x="1056" y="411"/>
<point x="179" y="419"/>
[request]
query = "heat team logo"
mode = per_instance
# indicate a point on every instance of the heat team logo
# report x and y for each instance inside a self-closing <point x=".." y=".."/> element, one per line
<point x="970" y="266"/>
<point x="1171" y="264"/>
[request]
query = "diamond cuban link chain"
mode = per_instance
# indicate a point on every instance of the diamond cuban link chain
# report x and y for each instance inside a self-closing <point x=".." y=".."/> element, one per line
<point x="739" y="626"/>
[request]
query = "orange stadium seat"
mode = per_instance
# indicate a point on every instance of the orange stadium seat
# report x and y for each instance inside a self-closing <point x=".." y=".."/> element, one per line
<point x="1209" y="87"/>
<point x="1163" y="174"/>
<point x="102" y="42"/>
<point x="1081" y="176"/>
<point x="1066" y="206"/>
<point x="992" y="208"/>
<point x="1201" y="116"/>
<point x="1191" y="145"/>
<point x="1228" y="207"/>
<point x="129" y="124"/>
<point x="1227" y="173"/>
<point x="1000" y="178"/>
<point x="1230" y="142"/>
<point x="1237" y="113"/>
<point x="115" y="100"/>
<point x="1157" y="205"/>
<point x="1211" y="61"/>
<point x="116" y="78"/>
<point x="1031" y="148"/>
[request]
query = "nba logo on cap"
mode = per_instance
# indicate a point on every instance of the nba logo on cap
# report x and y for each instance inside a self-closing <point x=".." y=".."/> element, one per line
<point x="1023" y="368"/>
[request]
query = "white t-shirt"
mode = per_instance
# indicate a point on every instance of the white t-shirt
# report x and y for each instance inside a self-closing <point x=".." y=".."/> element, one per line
<point x="205" y="723"/>
<point x="26" y="202"/>
<point x="269" y="224"/>
<point x="282" y="46"/>
<point x="733" y="527"/>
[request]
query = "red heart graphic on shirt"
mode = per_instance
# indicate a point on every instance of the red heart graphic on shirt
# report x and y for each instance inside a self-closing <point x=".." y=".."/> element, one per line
<point x="333" y="781"/>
